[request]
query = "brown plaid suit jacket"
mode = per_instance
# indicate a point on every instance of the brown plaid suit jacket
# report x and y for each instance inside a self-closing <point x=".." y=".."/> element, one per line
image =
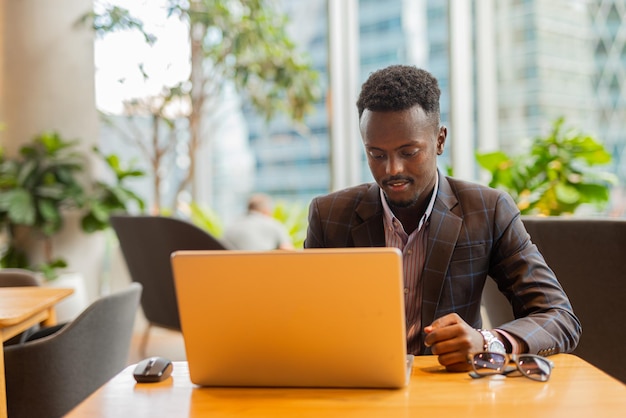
<point x="474" y="232"/>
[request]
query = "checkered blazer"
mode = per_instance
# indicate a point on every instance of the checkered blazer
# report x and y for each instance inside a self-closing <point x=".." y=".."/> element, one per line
<point x="474" y="232"/>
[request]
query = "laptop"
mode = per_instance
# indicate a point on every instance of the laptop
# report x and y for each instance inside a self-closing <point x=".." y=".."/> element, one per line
<point x="303" y="318"/>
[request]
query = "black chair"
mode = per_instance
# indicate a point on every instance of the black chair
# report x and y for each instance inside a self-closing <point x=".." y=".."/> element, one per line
<point x="147" y="243"/>
<point x="16" y="277"/>
<point x="49" y="376"/>
<point x="588" y="256"/>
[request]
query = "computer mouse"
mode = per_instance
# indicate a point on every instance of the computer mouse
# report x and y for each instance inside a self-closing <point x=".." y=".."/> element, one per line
<point x="153" y="369"/>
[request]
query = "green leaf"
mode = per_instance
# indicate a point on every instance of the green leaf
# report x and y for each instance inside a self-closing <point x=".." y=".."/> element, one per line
<point x="100" y="212"/>
<point x="295" y="218"/>
<point x="14" y="258"/>
<point x="594" y="193"/>
<point x="51" y="191"/>
<point x="19" y="206"/>
<point x="49" y="270"/>
<point x="492" y="161"/>
<point x="207" y="219"/>
<point x="89" y="223"/>
<point x="50" y="220"/>
<point x="566" y="193"/>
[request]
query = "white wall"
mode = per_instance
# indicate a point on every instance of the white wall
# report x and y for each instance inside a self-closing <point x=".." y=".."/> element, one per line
<point x="47" y="83"/>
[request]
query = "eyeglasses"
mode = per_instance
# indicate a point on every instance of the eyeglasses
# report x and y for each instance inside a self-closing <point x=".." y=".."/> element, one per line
<point x="530" y="365"/>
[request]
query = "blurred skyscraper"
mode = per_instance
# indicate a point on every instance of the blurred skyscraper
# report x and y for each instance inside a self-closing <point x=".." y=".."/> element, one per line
<point x="545" y="64"/>
<point x="608" y="19"/>
<point x="550" y="58"/>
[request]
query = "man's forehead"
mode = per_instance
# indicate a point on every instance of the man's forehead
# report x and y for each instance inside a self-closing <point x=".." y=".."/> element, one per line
<point x="414" y="115"/>
<point x="416" y="109"/>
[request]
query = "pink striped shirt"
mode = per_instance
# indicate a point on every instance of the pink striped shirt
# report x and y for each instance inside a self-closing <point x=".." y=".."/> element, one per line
<point x="413" y="249"/>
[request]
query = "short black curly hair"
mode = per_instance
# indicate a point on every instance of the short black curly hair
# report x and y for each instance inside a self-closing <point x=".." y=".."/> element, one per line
<point x="400" y="87"/>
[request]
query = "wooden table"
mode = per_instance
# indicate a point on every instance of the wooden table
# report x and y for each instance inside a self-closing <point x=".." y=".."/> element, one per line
<point x="576" y="389"/>
<point x="20" y="309"/>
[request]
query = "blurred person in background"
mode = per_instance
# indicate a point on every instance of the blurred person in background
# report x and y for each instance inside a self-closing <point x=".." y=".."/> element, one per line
<point x="258" y="230"/>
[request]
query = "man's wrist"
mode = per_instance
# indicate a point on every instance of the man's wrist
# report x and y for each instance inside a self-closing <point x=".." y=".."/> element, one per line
<point x="512" y="343"/>
<point x="491" y="342"/>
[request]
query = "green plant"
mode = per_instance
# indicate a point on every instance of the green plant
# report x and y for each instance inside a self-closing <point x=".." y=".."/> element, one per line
<point x="207" y="219"/>
<point x="295" y="218"/>
<point x="47" y="178"/>
<point x="106" y="198"/>
<point x="556" y="176"/>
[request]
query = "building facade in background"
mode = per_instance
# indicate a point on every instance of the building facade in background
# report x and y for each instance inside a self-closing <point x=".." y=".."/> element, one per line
<point x="608" y="21"/>
<point x="545" y="62"/>
<point x="553" y="58"/>
<point x="523" y="64"/>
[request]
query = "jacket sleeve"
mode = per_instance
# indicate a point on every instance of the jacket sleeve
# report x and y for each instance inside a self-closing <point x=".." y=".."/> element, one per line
<point x="314" y="230"/>
<point x="545" y="320"/>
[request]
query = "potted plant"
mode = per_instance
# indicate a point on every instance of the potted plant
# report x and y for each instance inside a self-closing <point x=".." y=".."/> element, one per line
<point x="41" y="184"/>
<point x="556" y="176"/>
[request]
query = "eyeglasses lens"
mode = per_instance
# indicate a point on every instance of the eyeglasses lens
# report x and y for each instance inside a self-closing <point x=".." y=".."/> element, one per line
<point x="489" y="363"/>
<point x="534" y="367"/>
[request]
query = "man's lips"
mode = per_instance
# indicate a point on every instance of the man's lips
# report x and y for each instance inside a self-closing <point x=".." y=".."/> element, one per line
<point x="397" y="184"/>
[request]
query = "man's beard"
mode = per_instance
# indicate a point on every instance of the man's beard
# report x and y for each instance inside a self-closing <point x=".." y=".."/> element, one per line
<point x="403" y="204"/>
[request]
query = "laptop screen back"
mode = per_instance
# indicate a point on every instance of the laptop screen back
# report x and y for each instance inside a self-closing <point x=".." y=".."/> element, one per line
<point x="308" y="318"/>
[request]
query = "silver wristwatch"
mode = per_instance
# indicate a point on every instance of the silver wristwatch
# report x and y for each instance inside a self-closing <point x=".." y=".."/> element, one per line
<point x="491" y="343"/>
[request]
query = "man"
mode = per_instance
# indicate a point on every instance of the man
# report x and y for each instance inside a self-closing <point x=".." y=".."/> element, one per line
<point x="258" y="230"/>
<point x="452" y="233"/>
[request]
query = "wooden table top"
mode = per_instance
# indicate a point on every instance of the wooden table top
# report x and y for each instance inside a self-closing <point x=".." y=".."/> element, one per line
<point x="19" y="303"/>
<point x="576" y="389"/>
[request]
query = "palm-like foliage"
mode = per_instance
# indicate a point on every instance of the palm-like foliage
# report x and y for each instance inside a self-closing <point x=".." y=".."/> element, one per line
<point x="557" y="175"/>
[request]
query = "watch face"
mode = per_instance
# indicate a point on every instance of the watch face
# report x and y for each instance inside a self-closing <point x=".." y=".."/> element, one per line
<point x="496" y="347"/>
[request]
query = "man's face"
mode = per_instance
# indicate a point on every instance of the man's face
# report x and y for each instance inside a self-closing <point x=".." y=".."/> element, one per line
<point x="402" y="149"/>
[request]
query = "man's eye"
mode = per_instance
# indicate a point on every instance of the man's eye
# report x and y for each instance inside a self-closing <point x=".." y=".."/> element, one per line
<point x="376" y="155"/>
<point x="409" y="153"/>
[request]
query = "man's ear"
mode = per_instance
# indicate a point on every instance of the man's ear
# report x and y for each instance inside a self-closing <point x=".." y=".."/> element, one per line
<point x="441" y="139"/>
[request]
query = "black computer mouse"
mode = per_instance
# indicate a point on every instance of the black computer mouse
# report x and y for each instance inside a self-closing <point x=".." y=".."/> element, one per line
<point x="153" y="369"/>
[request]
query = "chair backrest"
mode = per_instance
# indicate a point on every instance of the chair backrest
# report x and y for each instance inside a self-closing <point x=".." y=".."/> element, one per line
<point x="588" y="257"/>
<point x="11" y="277"/>
<point x="147" y="243"/>
<point x="49" y="376"/>
<point x="16" y="277"/>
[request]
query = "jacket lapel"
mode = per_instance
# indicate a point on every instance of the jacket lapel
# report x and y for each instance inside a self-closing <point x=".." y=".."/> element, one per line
<point x="442" y="237"/>
<point x="370" y="233"/>
<point x="443" y="233"/>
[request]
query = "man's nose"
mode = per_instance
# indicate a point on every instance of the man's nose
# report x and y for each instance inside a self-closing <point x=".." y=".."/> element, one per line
<point x="394" y="166"/>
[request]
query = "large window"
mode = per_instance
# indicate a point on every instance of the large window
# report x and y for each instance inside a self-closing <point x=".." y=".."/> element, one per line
<point x="548" y="60"/>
